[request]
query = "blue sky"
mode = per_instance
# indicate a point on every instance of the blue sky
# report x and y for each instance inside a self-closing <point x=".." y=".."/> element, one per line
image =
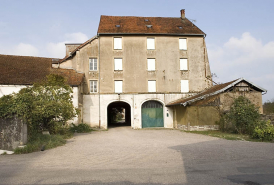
<point x="240" y="33"/>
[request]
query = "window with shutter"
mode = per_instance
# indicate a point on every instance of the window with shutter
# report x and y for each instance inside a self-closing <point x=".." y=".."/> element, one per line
<point x="183" y="64"/>
<point x="151" y="64"/>
<point x="118" y="64"/>
<point x="150" y="43"/>
<point x="117" y="43"/>
<point x="184" y="86"/>
<point x="182" y="44"/>
<point x="118" y="86"/>
<point x="151" y="86"/>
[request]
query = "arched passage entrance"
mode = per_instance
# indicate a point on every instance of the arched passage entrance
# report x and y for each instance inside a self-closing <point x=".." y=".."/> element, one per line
<point x="152" y="114"/>
<point x="119" y="114"/>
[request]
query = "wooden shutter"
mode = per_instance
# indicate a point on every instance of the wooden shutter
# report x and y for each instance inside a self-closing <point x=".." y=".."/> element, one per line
<point x="117" y="43"/>
<point x="184" y="86"/>
<point x="151" y="64"/>
<point x="151" y="86"/>
<point x="183" y="64"/>
<point x="118" y="86"/>
<point x="150" y="43"/>
<point x="118" y="64"/>
<point x="182" y="44"/>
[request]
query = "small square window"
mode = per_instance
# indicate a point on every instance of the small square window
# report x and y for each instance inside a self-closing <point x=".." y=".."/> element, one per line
<point x="117" y="42"/>
<point x="183" y="64"/>
<point x="150" y="43"/>
<point x="184" y="86"/>
<point x="93" y="64"/>
<point x="151" y="86"/>
<point x="118" y="86"/>
<point x="182" y="44"/>
<point x="118" y="64"/>
<point x="151" y="64"/>
<point x="93" y="86"/>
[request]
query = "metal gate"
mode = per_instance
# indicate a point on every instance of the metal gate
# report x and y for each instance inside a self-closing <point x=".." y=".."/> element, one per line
<point x="152" y="114"/>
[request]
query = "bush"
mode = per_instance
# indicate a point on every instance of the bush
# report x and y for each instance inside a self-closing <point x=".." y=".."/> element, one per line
<point x="243" y="116"/>
<point x="264" y="131"/>
<point x="81" y="128"/>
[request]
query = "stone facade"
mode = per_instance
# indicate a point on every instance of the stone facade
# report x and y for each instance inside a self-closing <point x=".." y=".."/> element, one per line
<point x="13" y="133"/>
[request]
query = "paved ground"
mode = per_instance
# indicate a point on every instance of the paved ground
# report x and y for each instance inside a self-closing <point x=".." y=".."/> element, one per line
<point x="125" y="156"/>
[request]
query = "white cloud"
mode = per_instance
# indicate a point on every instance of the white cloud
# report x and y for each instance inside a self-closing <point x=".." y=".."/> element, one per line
<point x="244" y="57"/>
<point x="58" y="50"/>
<point x="22" y="49"/>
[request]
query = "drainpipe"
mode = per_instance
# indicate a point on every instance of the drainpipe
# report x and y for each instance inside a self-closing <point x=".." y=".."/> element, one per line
<point x="99" y="81"/>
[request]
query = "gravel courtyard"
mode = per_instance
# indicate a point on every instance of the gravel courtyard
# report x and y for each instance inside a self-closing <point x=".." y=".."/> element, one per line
<point x="125" y="156"/>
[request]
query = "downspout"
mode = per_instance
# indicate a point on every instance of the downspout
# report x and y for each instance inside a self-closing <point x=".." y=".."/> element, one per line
<point x="99" y="81"/>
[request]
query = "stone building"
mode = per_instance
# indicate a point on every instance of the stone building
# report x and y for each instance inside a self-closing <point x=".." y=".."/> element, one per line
<point x="140" y="64"/>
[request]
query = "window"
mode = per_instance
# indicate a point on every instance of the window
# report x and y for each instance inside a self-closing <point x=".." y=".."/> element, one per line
<point x="151" y="86"/>
<point x="118" y="64"/>
<point x="117" y="42"/>
<point x="182" y="44"/>
<point x="151" y="64"/>
<point x="118" y="86"/>
<point x="184" y="86"/>
<point x="183" y="64"/>
<point x="93" y="86"/>
<point x="150" y="43"/>
<point x="93" y="64"/>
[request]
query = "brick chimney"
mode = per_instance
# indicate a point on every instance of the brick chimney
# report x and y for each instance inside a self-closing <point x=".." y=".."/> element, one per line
<point x="183" y="16"/>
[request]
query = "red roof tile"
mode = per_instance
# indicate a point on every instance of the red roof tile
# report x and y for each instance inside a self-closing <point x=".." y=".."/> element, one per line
<point x="138" y="25"/>
<point x="26" y="70"/>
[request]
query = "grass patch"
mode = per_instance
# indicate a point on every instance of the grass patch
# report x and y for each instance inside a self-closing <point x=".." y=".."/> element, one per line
<point x="224" y="135"/>
<point x="42" y="142"/>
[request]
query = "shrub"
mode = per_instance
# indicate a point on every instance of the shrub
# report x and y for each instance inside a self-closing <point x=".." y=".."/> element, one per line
<point x="81" y="128"/>
<point x="243" y="115"/>
<point x="264" y="131"/>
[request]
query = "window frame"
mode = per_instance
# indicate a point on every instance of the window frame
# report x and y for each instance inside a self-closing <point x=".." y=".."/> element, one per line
<point x="91" y="60"/>
<point x="149" y="85"/>
<point x="120" y="43"/>
<point x="91" y="87"/>
<point x="181" y="47"/>
<point x="150" y="38"/>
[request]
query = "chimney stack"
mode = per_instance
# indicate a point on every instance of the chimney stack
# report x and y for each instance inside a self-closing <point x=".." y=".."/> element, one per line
<point x="183" y="16"/>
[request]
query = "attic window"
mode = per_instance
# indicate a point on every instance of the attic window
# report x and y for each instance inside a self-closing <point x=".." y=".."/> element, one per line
<point x="117" y="25"/>
<point x="180" y="27"/>
<point x="146" y="20"/>
<point x="148" y="26"/>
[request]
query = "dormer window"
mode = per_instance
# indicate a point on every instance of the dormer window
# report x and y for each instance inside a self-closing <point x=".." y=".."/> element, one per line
<point x="148" y="26"/>
<point x="117" y="25"/>
<point x="180" y="27"/>
<point x="146" y="20"/>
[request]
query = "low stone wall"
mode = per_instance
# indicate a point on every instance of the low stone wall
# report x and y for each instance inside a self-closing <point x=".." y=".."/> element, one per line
<point x="13" y="133"/>
<point x="198" y="128"/>
<point x="268" y="117"/>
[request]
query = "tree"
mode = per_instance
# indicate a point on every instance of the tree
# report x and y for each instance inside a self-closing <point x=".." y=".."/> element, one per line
<point x="243" y="115"/>
<point x="45" y="105"/>
<point x="269" y="107"/>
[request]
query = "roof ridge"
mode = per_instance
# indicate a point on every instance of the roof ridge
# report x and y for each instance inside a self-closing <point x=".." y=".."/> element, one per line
<point x="139" y="16"/>
<point x="27" y="56"/>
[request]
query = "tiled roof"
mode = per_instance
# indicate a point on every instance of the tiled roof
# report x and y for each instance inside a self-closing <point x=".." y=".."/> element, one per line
<point x="26" y="70"/>
<point x="216" y="89"/>
<point x="141" y="25"/>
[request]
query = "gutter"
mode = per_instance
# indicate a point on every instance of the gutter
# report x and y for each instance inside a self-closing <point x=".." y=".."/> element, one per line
<point x="99" y="84"/>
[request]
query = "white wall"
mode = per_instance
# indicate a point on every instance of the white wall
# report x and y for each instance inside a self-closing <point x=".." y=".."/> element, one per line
<point x="9" y="89"/>
<point x="91" y="107"/>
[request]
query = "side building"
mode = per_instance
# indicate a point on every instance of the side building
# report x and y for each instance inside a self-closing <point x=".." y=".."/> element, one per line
<point x="139" y="64"/>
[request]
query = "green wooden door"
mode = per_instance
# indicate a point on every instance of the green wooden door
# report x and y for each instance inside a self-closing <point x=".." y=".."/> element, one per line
<point x="152" y="114"/>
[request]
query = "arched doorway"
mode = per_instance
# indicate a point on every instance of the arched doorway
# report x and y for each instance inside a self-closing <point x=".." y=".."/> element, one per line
<point x="152" y="114"/>
<point x="119" y="114"/>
